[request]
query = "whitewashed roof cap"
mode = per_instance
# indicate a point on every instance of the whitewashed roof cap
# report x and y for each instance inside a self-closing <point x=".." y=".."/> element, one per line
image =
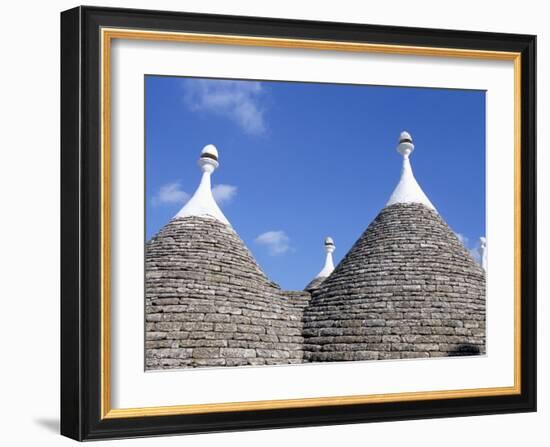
<point x="408" y="190"/>
<point x="202" y="203"/>
<point x="328" y="268"/>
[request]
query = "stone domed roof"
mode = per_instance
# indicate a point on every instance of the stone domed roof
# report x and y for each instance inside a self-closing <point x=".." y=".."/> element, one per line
<point x="408" y="288"/>
<point x="208" y="303"/>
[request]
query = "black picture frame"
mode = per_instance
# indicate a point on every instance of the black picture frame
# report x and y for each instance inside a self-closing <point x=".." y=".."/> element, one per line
<point x="81" y="224"/>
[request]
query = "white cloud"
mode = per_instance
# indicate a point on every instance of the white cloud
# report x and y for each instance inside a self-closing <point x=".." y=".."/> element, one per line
<point x="277" y="242"/>
<point x="239" y="101"/>
<point x="224" y="193"/>
<point x="473" y="249"/>
<point x="170" y="193"/>
<point x="474" y="253"/>
<point x="462" y="238"/>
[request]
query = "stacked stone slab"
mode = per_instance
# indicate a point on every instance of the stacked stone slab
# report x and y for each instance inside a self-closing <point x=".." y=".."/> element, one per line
<point x="209" y="304"/>
<point x="408" y="288"/>
<point x="314" y="284"/>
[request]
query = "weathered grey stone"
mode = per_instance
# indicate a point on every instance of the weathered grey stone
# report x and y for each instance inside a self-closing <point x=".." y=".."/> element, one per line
<point x="407" y="289"/>
<point x="206" y="353"/>
<point x="409" y="279"/>
<point x="237" y="352"/>
<point x="205" y="292"/>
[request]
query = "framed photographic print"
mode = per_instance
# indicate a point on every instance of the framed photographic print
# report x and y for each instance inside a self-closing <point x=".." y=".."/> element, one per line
<point x="276" y="223"/>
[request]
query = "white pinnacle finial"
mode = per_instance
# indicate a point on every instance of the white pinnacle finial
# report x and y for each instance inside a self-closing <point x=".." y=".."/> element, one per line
<point x="408" y="190"/>
<point x="405" y="146"/>
<point x="329" y="264"/>
<point x="208" y="160"/>
<point x="202" y="203"/>
<point x="483" y="252"/>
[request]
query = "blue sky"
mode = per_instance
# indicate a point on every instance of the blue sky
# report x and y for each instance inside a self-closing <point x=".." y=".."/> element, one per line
<point x="301" y="161"/>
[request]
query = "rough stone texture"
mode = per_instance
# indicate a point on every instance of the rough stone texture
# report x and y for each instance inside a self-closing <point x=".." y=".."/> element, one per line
<point x="407" y="289"/>
<point x="314" y="284"/>
<point x="209" y="304"/>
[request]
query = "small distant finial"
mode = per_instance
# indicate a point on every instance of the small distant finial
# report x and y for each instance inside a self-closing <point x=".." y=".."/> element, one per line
<point x="202" y="202"/>
<point x="329" y="245"/>
<point x="405" y="146"/>
<point x="483" y="252"/>
<point x="329" y="264"/>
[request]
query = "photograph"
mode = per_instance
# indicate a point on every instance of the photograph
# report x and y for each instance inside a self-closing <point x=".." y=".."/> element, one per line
<point x="272" y="222"/>
<point x="300" y="222"/>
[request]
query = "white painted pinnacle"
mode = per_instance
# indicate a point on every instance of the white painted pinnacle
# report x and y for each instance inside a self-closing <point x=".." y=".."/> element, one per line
<point x="329" y="264"/>
<point x="483" y="252"/>
<point x="202" y="202"/>
<point x="408" y="190"/>
<point x="405" y="146"/>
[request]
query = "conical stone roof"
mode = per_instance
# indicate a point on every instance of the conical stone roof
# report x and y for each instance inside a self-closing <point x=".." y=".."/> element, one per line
<point x="408" y="288"/>
<point x="208" y="303"/>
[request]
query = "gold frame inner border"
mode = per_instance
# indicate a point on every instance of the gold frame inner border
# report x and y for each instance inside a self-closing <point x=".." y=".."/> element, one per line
<point x="107" y="35"/>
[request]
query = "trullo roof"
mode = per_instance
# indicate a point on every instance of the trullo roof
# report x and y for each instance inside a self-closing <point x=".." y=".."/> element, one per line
<point x="208" y="303"/>
<point x="408" y="288"/>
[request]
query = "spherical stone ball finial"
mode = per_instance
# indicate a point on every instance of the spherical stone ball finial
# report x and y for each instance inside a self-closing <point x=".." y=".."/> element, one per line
<point x="208" y="160"/>
<point x="405" y="145"/>
<point x="329" y="245"/>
